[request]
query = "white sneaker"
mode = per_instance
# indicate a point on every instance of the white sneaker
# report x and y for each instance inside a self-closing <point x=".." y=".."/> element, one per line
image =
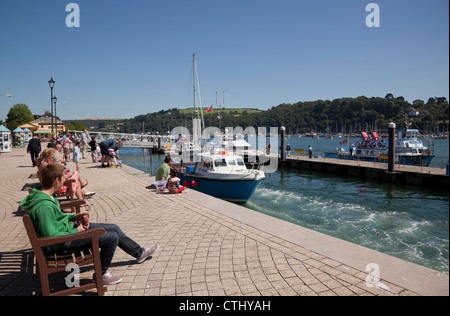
<point x="147" y="252"/>
<point x="109" y="279"/>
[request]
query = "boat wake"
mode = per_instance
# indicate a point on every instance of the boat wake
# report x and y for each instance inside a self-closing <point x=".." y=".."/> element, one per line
<point x="387" y="231"/>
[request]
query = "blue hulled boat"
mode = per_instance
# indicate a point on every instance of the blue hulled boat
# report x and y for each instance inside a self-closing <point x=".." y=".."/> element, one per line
<point x="221" y="174"/>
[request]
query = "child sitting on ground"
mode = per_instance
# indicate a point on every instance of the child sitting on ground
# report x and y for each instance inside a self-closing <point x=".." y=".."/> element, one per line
<point x="174" y="183"/>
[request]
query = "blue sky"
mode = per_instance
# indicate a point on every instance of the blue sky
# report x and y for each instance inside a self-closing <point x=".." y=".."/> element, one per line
<point x="134" y="57"/>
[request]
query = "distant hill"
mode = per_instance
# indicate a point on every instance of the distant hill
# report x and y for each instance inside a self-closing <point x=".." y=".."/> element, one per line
<point x="99" y="119"/>
<point x="344" y="115"/>
<point x="216" y="110"/>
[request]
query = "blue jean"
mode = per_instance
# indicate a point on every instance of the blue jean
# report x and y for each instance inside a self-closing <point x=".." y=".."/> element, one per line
<point x="108" y="243"/>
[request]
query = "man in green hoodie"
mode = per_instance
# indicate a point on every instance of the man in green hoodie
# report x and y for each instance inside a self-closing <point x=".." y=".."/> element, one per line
<point x="49" y="221"/>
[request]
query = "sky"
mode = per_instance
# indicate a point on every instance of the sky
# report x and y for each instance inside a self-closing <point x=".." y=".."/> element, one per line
<point x="134" y="57"/>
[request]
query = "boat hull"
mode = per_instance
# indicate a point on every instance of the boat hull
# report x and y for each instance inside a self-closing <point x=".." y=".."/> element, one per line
<point x="231" y="190"/>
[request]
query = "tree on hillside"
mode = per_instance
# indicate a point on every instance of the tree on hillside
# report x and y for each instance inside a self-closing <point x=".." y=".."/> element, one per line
<point x="18" y="114"/>
<point x="75" y="126"/>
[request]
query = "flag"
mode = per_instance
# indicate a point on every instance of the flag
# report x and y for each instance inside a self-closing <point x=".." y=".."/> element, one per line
<point x="208" y="109"/>
<point x="343" y="142"/>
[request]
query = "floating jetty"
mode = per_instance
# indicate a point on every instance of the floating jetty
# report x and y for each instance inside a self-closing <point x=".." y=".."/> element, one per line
<point x="404" y="174"/>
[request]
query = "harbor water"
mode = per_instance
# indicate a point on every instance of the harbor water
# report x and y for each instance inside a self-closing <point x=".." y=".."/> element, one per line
<point x="405" y="221"/>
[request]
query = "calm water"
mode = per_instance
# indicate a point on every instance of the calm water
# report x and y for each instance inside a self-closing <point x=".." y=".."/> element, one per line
<point x="408" y="222"/>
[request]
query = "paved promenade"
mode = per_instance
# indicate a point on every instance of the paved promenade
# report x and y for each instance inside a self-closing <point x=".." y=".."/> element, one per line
<point x="208" y="246"/>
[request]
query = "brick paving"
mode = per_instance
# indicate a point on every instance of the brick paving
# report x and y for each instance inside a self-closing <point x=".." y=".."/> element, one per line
<point x="202" y="252"/>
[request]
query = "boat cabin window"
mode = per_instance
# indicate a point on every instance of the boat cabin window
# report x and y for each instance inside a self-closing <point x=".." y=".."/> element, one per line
<point x="207" y="164"/>
<point x="411" y="134"/>
<point x="231" y="162"/>
<point x="220" y="163"/>
<point x="240" y="162"/>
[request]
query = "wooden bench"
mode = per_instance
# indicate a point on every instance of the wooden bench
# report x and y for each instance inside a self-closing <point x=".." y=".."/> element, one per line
<point x="51" y="263"/>
<point x="69" y="192"/>
<point x="69" y="202"/>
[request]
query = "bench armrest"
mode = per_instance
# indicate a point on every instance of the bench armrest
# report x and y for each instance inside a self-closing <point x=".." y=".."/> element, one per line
<point x="90" y="233"/>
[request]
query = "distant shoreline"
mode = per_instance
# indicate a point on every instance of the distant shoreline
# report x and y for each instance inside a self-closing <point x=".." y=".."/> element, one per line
<point x="98" y="119"/>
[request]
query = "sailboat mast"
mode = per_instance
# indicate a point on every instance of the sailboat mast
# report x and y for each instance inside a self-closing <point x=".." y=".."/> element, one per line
<point x="194" y="82"/>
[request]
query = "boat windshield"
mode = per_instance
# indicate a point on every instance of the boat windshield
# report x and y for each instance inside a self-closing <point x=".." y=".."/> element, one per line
<point x="220" y="162"/>
<point x="411" y="134"/>
<point x="240" y="162"/>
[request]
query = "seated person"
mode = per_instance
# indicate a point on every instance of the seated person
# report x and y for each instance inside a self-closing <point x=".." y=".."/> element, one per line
<point x="51" y="156"/>
<point x="174" y="183"/>
<point x="59" y="149"/>
<point x="49" y="221"/>
<point x="163" y="171"/>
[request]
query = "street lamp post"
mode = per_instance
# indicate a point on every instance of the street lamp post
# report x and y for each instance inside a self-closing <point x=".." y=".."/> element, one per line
<point x="51" y="84"/>
<point x="56" y="120"/>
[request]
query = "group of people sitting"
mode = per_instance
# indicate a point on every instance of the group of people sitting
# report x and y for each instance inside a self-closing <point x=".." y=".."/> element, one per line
<point x="49" y="221"/>
<point x="169" y="176"/>
<point x="55" y="156"/>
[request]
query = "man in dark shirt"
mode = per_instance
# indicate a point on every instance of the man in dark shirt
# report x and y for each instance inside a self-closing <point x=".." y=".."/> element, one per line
<point x="109" y="144"/>
<point x="34" y="148"/>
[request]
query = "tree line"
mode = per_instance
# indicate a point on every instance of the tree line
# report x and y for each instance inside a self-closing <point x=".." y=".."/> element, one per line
<point x="343" y="115"/>
<point x="347" y="115"/>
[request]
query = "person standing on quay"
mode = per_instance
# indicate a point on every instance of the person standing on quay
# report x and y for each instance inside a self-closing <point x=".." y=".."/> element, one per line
<point x="77" y="155"/>
<point x="34" y="148"/>
<point x="84" y="143"/>
<point x="66" y="141"/>
<point x="310" y="151"/>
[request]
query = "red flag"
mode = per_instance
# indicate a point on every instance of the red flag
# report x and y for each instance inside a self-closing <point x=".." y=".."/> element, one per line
<point x="343" y="142"/>
<point x="208" y="109"/>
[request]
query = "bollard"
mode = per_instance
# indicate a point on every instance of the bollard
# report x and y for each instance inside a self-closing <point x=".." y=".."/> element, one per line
<point x="143" y="157"/>
<point x="283" y="143"/>
<point x="150" y="152"/>
<point x="391" y="165"/>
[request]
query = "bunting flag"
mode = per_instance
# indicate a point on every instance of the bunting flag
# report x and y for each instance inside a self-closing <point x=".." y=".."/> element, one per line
<point x="209" y="109"/>
<point x="343" y="142"/>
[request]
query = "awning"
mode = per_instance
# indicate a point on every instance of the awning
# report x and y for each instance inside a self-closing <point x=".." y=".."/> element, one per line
<point x="364" y="136"/>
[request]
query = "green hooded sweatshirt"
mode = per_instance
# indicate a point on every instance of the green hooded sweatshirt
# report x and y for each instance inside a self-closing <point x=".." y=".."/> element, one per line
<point x="47" y="218"/>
